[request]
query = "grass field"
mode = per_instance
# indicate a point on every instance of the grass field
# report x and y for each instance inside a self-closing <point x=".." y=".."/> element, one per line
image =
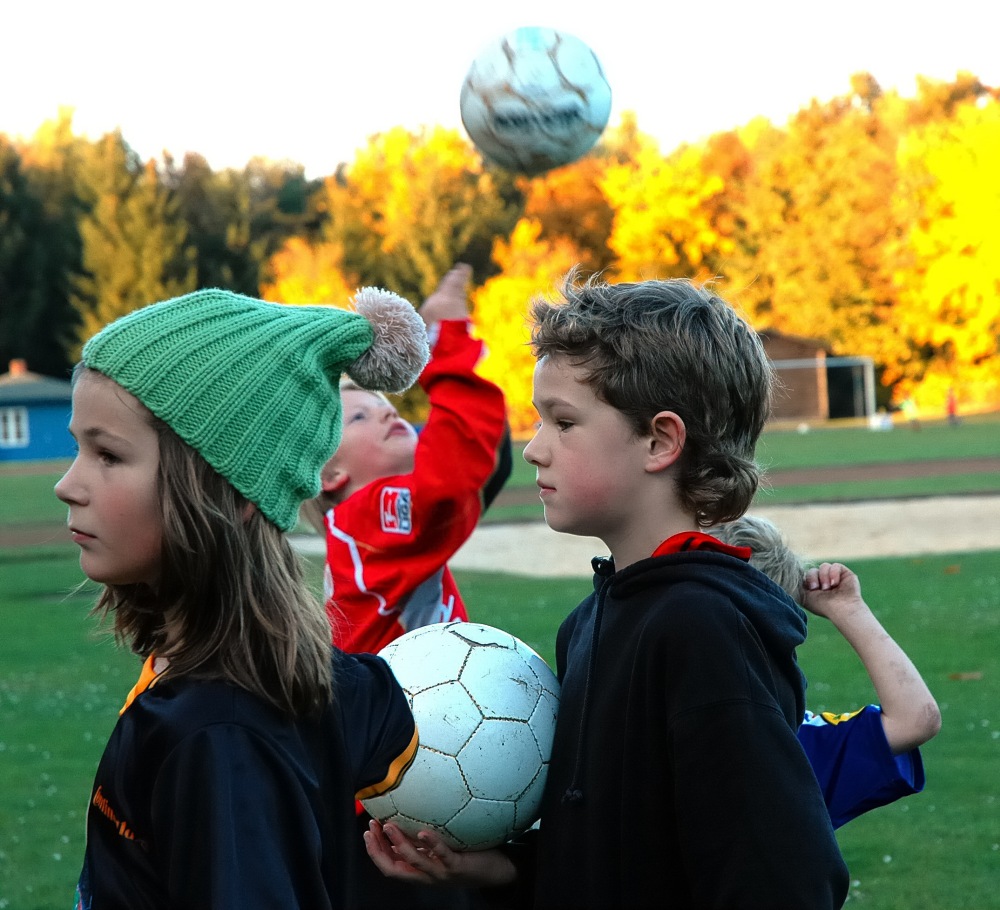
<point x="61" y="685"/>
<point x="835" y="446"/>
<point x="30" y="497"/>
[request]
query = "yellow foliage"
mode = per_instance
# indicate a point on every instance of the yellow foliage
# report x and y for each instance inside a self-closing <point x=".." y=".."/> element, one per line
<point x="948" y="281"/>
<point x="663" y="220"/>
<point x="304" y="273"/>
<point x="409" y="205"/>
<point x="529" y="267"/>
<point x="568" y="203"/>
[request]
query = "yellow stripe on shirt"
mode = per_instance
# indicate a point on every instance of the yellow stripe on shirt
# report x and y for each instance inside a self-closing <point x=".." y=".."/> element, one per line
<point x="146" y="678"/>
<point x="396" y="770"/>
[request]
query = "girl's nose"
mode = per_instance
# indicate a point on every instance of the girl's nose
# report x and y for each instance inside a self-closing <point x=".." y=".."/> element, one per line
<point x="66" y="487"/>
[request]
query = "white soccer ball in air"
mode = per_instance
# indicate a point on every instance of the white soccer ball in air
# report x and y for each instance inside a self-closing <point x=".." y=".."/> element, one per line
<point x="535" y="99"/>
<point x="485" y="706"/>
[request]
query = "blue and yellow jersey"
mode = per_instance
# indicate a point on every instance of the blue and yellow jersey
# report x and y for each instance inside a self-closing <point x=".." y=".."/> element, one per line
<point x="856" y="769"/>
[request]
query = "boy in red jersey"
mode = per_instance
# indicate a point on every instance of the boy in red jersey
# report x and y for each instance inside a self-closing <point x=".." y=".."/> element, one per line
<point x="396" y="507"/>
<point x="399" y="504"/>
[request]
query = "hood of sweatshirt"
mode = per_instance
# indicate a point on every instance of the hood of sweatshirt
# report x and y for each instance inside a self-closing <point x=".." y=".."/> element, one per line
<point x="778" y="622"/>
<point x="678" y="594"/>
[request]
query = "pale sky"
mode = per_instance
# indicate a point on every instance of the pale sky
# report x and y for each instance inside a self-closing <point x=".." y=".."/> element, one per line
<point x="310" y="81"/>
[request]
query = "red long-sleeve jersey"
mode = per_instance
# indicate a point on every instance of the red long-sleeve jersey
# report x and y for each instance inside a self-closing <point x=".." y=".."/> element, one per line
<point x="388" y="544"/>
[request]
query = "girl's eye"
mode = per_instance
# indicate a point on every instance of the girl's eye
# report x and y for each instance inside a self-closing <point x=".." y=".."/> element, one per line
<point x="108" y="457"/>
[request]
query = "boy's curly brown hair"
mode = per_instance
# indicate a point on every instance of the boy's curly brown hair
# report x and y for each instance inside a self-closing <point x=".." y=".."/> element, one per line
<point x="670" y="345"/>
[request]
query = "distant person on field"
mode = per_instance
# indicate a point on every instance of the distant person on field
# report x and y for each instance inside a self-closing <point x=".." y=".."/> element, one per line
<point x="911" y="412"/>
<point x="869" y="757"/>
<point x="676" y="779"/>
<point x="951" y="406"/>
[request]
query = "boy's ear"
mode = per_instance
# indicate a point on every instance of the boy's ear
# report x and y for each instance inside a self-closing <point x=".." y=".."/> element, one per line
<point x="667" y="435"/>
<point x="333" y="480"/>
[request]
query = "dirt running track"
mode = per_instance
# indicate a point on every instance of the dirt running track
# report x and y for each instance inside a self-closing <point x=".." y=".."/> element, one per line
<point x="833" y="531"/>
<point x="819" y="531"/>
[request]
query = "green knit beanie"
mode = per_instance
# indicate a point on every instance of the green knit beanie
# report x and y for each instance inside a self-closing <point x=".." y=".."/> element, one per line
<point x="254" y="386"/>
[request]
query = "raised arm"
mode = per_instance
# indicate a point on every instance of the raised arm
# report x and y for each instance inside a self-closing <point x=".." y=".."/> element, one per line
<point x="910" y="715"/>
<point x="450" y="299"/>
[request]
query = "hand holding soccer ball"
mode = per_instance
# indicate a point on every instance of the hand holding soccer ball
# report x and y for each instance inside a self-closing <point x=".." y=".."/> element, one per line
<point x="485" y="706"/>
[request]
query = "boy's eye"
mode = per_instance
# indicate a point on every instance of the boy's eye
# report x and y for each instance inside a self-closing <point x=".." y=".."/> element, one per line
<point x="564" y="424"/>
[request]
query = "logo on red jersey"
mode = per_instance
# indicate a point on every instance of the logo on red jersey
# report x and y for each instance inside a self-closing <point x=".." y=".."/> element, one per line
<point x="394" y="510"/>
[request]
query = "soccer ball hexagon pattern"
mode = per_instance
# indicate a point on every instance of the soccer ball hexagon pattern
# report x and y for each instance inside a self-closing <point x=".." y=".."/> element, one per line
<point x="485" y="705"/>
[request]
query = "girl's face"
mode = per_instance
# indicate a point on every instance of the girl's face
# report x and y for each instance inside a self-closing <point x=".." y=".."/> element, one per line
<point x="111" y="486"/>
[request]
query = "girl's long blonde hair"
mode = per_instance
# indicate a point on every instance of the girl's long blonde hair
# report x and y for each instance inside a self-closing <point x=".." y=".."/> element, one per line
<point x="231" y="592"/>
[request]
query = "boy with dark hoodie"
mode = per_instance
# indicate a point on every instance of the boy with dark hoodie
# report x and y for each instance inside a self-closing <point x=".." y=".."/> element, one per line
<point x="676" y="779"/>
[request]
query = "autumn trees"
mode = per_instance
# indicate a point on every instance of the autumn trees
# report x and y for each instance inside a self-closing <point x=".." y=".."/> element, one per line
<point x="865" y="222"/>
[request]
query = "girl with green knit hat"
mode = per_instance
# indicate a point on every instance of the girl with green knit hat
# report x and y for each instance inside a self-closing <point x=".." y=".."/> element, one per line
<point x="202" y="424"/>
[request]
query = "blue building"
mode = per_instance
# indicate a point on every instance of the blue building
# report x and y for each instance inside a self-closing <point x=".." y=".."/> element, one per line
<point x="34" y="416"/>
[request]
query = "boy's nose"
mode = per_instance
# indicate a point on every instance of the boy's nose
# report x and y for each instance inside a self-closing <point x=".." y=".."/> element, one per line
<point x="530" y="453"/>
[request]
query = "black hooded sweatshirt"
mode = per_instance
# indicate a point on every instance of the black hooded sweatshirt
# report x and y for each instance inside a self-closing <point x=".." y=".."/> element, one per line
<point x="676" y="777"/>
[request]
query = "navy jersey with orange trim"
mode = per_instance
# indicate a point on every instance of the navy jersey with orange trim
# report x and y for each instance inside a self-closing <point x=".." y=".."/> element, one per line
<point x="388" y="544"/>
<point x="207" y="797"/>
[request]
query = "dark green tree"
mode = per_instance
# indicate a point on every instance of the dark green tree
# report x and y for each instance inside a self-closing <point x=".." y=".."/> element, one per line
<point x="135" y="248"/>
<point x="39" y="247"/>
<point x="237" y="219"/>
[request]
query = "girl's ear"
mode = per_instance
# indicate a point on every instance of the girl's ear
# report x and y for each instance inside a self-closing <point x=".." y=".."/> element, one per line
<point x="667" y="435"/>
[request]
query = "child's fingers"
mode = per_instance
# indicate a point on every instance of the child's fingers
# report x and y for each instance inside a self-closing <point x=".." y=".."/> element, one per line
<point x="817" y="578"/>
<point x="418" y="855"/>
<point x="450" y="298"/>
<point x="393" y="860"/>
<point x="836" y="574"/>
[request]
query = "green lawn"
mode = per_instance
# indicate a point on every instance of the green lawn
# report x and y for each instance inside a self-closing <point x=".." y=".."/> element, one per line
<point x="834" y="445"/>
<point x="839" y="444"/>
<point x="30" y="497"/>
<point x="60" y="689"/>
<point x="61" y="686"/>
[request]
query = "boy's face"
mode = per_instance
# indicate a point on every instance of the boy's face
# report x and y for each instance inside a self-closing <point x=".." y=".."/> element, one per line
<point x="589" y="462"/>
<point x="111" y="488"/>
<point x="376" y="442"/>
